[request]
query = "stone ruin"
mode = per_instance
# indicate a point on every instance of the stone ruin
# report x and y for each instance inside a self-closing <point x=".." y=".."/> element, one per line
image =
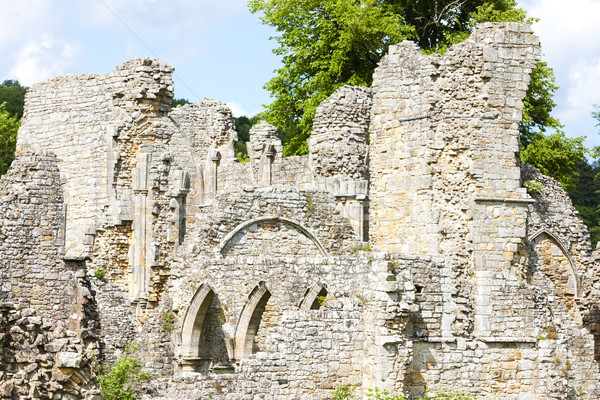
<point x="402" y="253"/>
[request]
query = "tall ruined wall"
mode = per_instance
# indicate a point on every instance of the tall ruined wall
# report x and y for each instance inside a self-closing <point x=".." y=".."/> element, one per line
<point x="47" y="312"/>
<point x="444" y="171"/>
<point x="80" y="118"/>
<point x="444" y="131"/>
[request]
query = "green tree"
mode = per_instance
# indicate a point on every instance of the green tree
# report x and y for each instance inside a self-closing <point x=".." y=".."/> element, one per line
<point x="242" y="127"/>
<point x="586" y="197"/>
<point x="324" y="45"/>
<point x="13" y="94"/>
<point x="538" y="105"/>
<point x="8" y="138"/>
<point x="179" y="102"/>
<point x="122" y="381"/>
<point x="556" y="155"/>
<point x="327" y="44"/>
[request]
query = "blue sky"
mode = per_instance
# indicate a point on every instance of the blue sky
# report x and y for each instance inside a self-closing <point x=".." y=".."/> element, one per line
<point x="220" y="50"/>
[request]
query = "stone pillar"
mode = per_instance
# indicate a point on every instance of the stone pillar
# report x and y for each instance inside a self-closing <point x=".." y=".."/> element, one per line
<point x="265" y="152"/>
<point x="140" y="274"/>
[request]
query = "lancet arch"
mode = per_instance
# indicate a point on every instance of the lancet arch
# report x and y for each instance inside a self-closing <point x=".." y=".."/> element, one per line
<point x="203" y="340"/>
<point x="312" y="297"/>
<point x="250" y="320"/>
<point x="551" y="251"/>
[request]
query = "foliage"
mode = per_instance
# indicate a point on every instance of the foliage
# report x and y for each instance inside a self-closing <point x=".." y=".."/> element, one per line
<point x="586" y="197"/>
<point x="344" y="393"/>
<point x="13" y="94"/>
<point x="179" y="102"/>
<point x="168" y="320"/>
<point x="242" y="127"/>
<point x="556" y="155"/>
<point x="533" y="186"/>
<point x="8" y="138"/>
<point x="377" y="394"/>
<point x="100" y="272"/>
<point x="349" y="392"/>
<point x="122" y="381"/>
<point x="326" y="44"/>
<point x="538" y="105"/>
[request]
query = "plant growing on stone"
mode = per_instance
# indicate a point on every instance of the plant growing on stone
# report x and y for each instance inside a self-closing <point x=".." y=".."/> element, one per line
<point x="100" y="272"/>
<point x="533" y="187"/>
<point x="323" y="300"/>
<point x="377" y="394"/>
<point x="168" y="319"/>
<point x="344" y="393"/>
<point x="551" y="333"/>
<point x="122" y="381"/>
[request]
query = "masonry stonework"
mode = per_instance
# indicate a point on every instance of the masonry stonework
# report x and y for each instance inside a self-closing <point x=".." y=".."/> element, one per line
<point x="402" y="253"/>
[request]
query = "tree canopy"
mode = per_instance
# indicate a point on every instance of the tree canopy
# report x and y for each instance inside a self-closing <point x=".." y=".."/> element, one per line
<point x="326" y="44"/>
<point x="13" y="94"/>
<point x="9" y="125"/>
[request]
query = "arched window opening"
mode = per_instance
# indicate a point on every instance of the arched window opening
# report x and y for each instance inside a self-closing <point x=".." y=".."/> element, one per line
<point x="314" y="298"/>
<point x="250" y="321"/>
<point x="202" y="338"/>
<point x="212" y="339"/>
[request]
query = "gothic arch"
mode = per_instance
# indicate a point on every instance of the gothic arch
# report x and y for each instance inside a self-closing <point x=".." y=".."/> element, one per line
<point x="193" y="321"/>
<point x="281" y="220"/>
<point x="249" y="321"/>
<point x="310" y="300"/>
<point x="572" y="266"/>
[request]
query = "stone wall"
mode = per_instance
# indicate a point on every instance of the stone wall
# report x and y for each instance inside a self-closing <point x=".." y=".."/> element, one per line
<point x="48" y="316"/>
<point x="258" y="279"/>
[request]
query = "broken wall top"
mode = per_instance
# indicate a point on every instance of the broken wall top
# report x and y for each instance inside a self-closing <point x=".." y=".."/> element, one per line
<point x="444" y="132"/>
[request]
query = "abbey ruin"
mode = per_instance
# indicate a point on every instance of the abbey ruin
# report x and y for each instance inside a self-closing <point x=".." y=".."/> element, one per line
<point x="403" y="253"/>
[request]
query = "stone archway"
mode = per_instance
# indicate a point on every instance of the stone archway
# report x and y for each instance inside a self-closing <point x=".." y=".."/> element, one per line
<point x="249" y="321"/>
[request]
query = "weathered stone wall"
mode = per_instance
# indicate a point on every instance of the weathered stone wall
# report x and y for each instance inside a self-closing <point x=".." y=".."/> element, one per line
<point x="47" y="313"/>
<point x="338" y="141"/>
<point x="80" y="118"/>
<point x="256" y="280"/>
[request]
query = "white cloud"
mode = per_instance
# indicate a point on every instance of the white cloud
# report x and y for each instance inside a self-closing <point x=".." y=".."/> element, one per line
<point x="568" y="30"/>
<point x="583" y="89"/>
<point x="22" y="19"/>
<point x="237" y="110"/>
<point x="42" y="59"/>
<point x="569" y="33"/>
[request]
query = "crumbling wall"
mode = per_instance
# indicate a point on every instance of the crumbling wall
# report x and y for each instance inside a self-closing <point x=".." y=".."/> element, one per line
<point x="254" y="279"/>
<point x="47" y="312"/>
<point x="78" y="118"/>
<point x="339" y="138"/>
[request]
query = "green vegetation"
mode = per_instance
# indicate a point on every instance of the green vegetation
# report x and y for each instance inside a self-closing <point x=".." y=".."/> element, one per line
<point x="9" y="125"/>
<point x="168" y="321"/>
<point x="557" y="156"/>
<point x="533" y="187"/>
<point x="179" y="102"/>
<point x="12" y="100"/>
<point x="350" y="393"/>
<point x="242" y="126"/>
<point x="123" y="380"/>
<point x="13" y="94"/>
<point x="100" y="272"/>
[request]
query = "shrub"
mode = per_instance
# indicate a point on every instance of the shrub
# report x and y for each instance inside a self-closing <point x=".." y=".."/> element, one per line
<point x="122" y="381"/>
<point x="533" y="187"/>
<point x="349" y="393"/>
<point x="344" y="393"/>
